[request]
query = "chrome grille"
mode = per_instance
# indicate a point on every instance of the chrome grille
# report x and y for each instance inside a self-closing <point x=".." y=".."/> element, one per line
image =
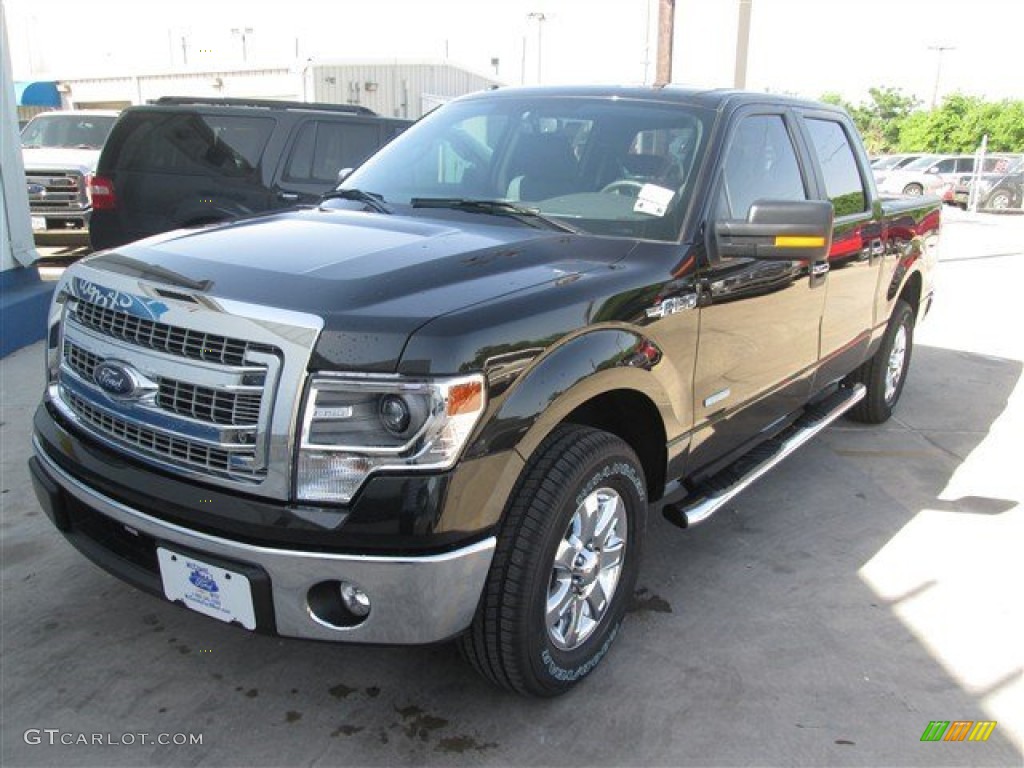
<point x="216" y="406"/>
<point x="56" y="191"/>
<point x="82" y="362"/>
<point x="182" y="451"/>
<point x="214" y="382"/>
<point x="181" y="342"/>
<point x="208" y="404"/>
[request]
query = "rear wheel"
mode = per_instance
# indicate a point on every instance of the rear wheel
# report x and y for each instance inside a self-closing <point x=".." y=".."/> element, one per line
<point x="998" y="200"/>
<point x="886" y="372"/>
<point x="565" y="565"/>
<point x="914" y="190"/>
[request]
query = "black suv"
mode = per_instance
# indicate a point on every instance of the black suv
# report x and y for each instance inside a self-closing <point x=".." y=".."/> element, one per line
<point x="182" y="162"/>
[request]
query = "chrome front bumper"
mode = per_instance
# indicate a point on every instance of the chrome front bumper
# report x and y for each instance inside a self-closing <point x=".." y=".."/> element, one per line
<point x="414" y="600"/>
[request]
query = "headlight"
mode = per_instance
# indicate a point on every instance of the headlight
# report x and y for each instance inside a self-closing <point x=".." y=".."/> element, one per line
<point x="53" y="332"/>
<point x="355" y="426"/>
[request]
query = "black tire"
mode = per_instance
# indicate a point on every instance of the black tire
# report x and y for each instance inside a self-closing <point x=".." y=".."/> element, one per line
<point x="875" y="374"/>
<point x="999" y="200"/>
<point x="914" y="190"/>
<point x="510" y="641"/>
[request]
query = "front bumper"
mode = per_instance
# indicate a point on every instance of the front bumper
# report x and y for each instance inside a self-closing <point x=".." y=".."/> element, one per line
<point x="60" y="227"/>
<point x="414" y="599"/>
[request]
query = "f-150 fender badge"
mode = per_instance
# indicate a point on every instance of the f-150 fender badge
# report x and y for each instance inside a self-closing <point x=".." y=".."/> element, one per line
<point x="717" y="397"/>
<point x="672" y="305"/>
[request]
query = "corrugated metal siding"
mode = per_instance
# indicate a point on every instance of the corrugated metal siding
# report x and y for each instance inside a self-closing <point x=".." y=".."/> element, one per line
<point x="395" y="90"/>
<point x="277" y="83"/>
<point x="389" y="89"/>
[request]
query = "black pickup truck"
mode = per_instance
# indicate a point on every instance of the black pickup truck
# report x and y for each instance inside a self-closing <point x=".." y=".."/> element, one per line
<point x="440" y="403"/>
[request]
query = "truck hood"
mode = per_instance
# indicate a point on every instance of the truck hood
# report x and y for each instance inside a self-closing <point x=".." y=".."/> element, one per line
<point x="60" y="159"/>
<point x="374" y="279"/>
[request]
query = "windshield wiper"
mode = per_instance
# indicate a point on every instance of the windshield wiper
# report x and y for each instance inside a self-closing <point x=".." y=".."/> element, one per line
<point x="494" y="208"/>
<point x="374" y="201"/>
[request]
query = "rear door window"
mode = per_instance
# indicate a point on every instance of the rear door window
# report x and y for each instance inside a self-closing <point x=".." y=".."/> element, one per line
<point x="323" y="148"/>
<point x="194" y="144"/>
<point x="843" y="183"/>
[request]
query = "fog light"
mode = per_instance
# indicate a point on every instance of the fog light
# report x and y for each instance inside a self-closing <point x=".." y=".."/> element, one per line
<point x="355" y="600"/>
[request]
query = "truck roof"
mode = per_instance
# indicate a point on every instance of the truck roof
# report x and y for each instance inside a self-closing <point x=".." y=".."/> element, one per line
<point x="710" y="98"/>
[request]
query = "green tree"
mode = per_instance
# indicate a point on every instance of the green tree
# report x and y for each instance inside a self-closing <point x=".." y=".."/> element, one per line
<point x="879" y="118"/>
<point x="959" y="124"/>
<point x="891" y="121"/>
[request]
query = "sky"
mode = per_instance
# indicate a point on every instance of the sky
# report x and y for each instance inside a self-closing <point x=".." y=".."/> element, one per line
<point x="804" y="47"/>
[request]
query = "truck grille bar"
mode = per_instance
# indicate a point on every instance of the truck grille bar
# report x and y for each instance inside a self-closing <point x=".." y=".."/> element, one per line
<point x="57" y="191"/>
<point x="182" y="342"/>
<point x="179" y="450"/>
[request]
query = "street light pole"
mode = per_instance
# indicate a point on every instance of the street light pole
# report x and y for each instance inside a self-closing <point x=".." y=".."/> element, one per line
<point x="938" y="68"/>
<point x="742" y="44"/>
<point x="541" y="18"/>
<point x="242" y="32"/>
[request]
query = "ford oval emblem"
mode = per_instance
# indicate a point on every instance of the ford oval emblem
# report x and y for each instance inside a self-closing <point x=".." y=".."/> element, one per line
<point x="114" y="379"/>
<point x="202" y="578"/>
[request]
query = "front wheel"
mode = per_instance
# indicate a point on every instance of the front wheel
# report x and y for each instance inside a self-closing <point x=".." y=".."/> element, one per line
<point x="886" y="372"/>
<point x="565" y="565"/>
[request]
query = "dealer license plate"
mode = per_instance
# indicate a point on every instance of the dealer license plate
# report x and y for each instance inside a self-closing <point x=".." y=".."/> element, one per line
<point x="38" y="223"/>
<point x="206" y="588"/>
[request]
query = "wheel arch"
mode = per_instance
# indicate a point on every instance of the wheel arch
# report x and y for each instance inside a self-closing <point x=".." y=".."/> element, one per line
<point x="610" y="379"/>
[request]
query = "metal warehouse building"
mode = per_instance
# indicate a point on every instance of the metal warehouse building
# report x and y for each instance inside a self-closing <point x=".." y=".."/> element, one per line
<point x="393" y="89"/>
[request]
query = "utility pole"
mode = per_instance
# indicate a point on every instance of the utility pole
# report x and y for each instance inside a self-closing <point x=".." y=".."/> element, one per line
<point x="742" y="44"/>
<point x="941" y="49"/>
<point x="666" y="29"/>
<point x="540" y="18"/>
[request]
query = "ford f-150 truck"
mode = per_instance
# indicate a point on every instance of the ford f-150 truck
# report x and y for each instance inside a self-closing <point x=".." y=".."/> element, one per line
<point x="440" y="403"/>
<point x="60" y="151"/>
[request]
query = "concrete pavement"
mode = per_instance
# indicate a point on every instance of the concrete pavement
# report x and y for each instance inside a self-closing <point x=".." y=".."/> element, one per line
<point x="868" y="586"/>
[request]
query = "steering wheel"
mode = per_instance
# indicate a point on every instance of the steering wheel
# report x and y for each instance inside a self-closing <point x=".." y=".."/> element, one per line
<point x="624" y="187"/>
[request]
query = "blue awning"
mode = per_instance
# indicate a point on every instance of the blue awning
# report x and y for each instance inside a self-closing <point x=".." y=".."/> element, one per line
<point x="38" y="94"/>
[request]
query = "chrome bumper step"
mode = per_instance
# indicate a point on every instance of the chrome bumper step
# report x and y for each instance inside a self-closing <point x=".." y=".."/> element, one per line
<point x="719" y="489"/>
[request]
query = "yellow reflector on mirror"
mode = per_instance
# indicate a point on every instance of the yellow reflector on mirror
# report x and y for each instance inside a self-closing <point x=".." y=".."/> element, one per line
<point x="799" y="241"/>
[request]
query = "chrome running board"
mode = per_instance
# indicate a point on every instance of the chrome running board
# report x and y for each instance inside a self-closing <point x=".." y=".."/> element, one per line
<point x="721" y="488"/>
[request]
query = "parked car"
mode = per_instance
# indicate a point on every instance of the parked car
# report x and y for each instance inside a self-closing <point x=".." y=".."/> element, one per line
<point x="998" y="189"/>
<point x="184" y="162"/>
<point x="60" y="151"/>
<point x="883" y="165"/>
<point x="441" y="403"/>
<point x="932" y="175"/>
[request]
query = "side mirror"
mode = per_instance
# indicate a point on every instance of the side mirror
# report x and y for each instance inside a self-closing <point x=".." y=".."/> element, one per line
<point x="779" y="230"/>
<point x="344" y="173"/>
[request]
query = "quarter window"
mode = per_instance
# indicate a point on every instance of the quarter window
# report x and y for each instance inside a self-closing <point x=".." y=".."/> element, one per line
<point x="843" y="183"/>
<point x="195" y="144"/>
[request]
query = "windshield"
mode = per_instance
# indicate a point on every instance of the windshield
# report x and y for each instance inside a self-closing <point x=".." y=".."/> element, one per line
<point x="922" y="163"/>
<point x="603" y="166"/>
<point x="888" y="162"/>
<point x="80" y="131"/>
